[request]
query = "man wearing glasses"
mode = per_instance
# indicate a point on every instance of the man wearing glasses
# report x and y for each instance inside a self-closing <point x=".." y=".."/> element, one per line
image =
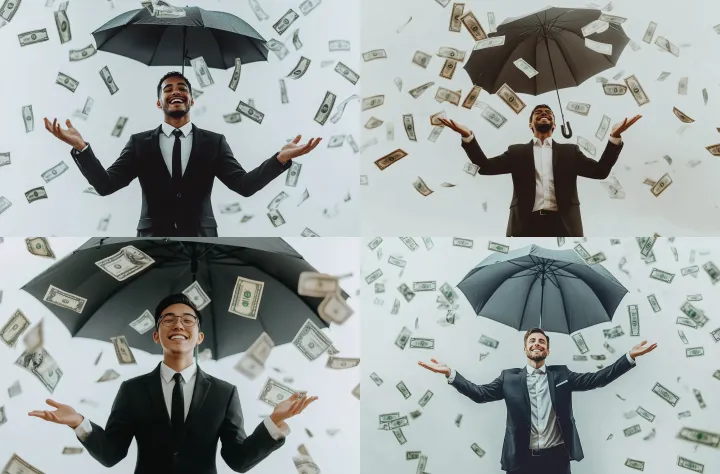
<point x="177" y="412"/>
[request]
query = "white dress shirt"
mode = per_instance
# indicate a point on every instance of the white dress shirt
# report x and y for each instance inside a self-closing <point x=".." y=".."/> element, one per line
<point x="544" y="177"/>
<point x="544" y="432"/>
<point x="188" y="377"/>
<point x="167" y="142"/>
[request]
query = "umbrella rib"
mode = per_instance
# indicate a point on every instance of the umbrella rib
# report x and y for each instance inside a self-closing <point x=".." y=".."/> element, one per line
<point x="562" y="298"/>
<point x="157" y="45"/>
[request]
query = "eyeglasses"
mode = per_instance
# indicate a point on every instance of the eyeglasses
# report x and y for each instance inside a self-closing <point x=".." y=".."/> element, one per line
<point x="187" y="320"/>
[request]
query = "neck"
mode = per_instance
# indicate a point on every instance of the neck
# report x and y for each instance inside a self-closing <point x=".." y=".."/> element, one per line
<point x="535" y="364"/>
<point x="178" y="362"/>
<point x="177" y="122"/>
<point x="542" y="136"/>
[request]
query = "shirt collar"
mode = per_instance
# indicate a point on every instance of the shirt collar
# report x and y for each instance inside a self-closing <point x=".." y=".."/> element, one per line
<point x="548" y="142"/>
<point x="168" y="129"/>
<point x="167" y="373"/>
<point x="530" y="369"/>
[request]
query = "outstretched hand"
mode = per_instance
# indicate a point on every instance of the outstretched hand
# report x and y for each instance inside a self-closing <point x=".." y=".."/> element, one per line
<point x="70" y="136"/>
<point x="64" y="415"/>
<point x="436" y="367"/>
<point x="452" y="125"/>
<point x="293" y="150"/>
<point x="641" y="349"/>
<point x="290" y="407"/>
<point x="619" y="128"/>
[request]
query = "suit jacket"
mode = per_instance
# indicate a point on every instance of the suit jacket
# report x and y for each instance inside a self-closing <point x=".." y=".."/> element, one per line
<point x="568" y="163"/>
<point x="167" y="211"/>
<point x="511" y="386"/>
<point x="139" y="411"/>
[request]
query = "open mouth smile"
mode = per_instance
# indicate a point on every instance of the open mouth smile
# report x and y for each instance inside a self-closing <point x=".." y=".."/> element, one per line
<point x="178" y="337"/>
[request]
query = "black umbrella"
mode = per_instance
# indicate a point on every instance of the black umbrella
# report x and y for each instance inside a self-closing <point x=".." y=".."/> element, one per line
<point x="182" y="34"/>
<point x="552" y="42"/>
<point x="214" y="263"/>
<point x="537" y="287"/>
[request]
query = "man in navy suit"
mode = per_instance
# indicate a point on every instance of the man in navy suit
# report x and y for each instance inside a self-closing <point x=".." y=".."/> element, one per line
<point x="540" y="433"/>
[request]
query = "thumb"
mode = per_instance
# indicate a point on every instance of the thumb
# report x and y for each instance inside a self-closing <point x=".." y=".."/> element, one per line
<point x="297" y="139"/>
<point x="53" y="403"/>
<point x="68" y="123"/>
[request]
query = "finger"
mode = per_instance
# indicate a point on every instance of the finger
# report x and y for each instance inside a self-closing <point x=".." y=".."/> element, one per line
<point x="294" y="396"/>
<point x="435" y="361"/>
<point x="297" y="139"/>
<point x="68" y="123"/>
<point x="643" y="343"/>
<point x="37" y="413"/>
<point x="48" y="126"/>
<point x="307" y="402"/>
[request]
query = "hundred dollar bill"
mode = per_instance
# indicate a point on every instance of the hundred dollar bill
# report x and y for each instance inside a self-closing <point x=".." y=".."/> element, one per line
<point x="525" y="67"/>
<point x="490" y="43"/>
<point x="578" y="108"/>
<point x="495" y="247"/>
<point x="488" y="341"/>
<point x="122" y="350"/>
<point x="579" y="341"/>
<point x="125" y="263"/>
<point x="309" y="5"/>
<point x="33" y="37"/>
<point x="635" y="464"/>
<point x="634" y="319"/>
<point x="422" y="343"/>
<point x="274" y="392"/>
<point x="477" y="450"/>
<point x="700" y="437"/>
<point x="282" y="25"/>
<point x="342" y="362"/>
<point x="197" y="295"/>
<point x="709" y="268"/>
<point x="250" y="112"/>
<point x="403" y="389"/>
<point x="650" y="32"/>
<point x="108" y="79"/>
<point x="418" y="91"/>
<point x="510" y="98"/>
<point x="398" y="262"/>
<point x="691" y="465"/>
<point x="347" y="73"/>
<point x="602" y="48"/>
<point x="421" y="187"/>
<point x="632" y="430"/>
<point x="144" y="323"/>
<point x="245" y="300"/>
<point x="645" y="414"/>
<point x="661" y="185"/>
<point x="63" y="23"/>
<point x="40" y="247"/>
<point x="608" y="347"/>
<point x="402" y="339"/>
<point x="13" y="329"/>
<point x="457" y="12"/>
<point x="682" y="116"/>
<point x="473" y="26"/>
<point x="374" y="54"/>
<point x="326" y="106"/>
<point x="36" y="194"/>
<point x="663" y="43"/>
<point x="311" y="341"/>
<point x="636" y="90"/>
<point x="460" y="242"/>
<point x="665" y="394"/>
<point x="694" y="351"/>
<point x="64" y="299"/>
<point x="67" y="82"/>
<point x="390" y="158"/>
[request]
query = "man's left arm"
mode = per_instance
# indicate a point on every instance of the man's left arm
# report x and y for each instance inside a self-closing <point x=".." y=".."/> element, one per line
<point x="592" y="380"/>
<point x="241" y="452"/>
<point x="589" y="168"/>
<point x="246" y="183"/>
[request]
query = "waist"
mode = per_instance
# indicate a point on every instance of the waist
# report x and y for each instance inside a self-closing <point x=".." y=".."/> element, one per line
<point x="559" y="448"/>
<point x="545" y="213"/>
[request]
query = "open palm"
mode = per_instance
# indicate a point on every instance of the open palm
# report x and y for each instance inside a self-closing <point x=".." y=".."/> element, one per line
<point x="619" y="128"/>
<point x="293" y="150"/>
<point x="63" y="415"/>
<point x="436" y="366"/>
<point x="70" y="136"/>
<point x="291" y="407"/>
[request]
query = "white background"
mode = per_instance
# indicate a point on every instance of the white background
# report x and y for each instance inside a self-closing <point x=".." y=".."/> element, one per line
<point x="598" y="413"/>
<point x="328" y="174"/>
<point x="688" y="207"/>
<point x="41" y="443"/>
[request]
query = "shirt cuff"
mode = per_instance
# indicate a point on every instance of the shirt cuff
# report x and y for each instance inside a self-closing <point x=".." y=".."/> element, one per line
<point x="75" y="151"/>
<point x="615" y="140"/>
<point x="630" y="359"/>
<point x="451" y="378"/>
<point x="468" y="139"/>
<point x="83" y="430"/>
<point x="275" y="432"/>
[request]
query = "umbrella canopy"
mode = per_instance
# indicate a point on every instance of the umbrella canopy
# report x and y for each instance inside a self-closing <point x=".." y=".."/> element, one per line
<point x="537" y="287"/>
<point x="552" y="42"/>
<point x="214" y="263"/>
<point x="218" y="37"/>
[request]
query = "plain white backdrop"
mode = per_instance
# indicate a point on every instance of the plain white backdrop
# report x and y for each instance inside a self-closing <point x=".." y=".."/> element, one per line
<point x="329" y="174"/>
<point x="598" y="413"/>
<point x="688" y="207"/>
<point x="41" y="443"/>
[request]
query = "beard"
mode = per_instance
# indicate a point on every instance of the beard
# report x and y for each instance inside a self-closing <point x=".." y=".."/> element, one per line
<point x="536" y="357"/>
<point x="543" y="127"/>
<point x="175" y="113"/>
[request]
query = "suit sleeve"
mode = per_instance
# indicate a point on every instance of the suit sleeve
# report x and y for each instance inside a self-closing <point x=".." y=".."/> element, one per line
<point x="242" y="452"/>
<point x="490" y="392"/>
<point x="246" y="183"/>
<point x="120" y="174"/>
<point x="487" y="166"/>
<point x="593" y="380"/>
<point x="109" y="446"/>
<point x="589" y="168"/>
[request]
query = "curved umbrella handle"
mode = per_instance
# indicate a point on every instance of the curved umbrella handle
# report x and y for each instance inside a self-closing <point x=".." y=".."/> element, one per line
<point x="567" y="134"/>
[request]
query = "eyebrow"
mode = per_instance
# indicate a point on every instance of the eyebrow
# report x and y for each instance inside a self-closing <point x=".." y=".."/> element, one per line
<point x="179" y="83"/>
<point x="183" y="314"/>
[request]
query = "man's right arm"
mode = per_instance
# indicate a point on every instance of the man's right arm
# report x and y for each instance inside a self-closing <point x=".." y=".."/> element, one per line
<point x="109" y="446"/>
<point x="487" y="166"/>
<point x="120" y="174"/>
<point x="478" y="393"/>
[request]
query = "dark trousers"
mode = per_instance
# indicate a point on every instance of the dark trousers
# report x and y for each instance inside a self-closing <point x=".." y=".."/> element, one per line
<point x="545" y="224"/>
<point x="199" y="232"/>
<point x="553" y="460"/>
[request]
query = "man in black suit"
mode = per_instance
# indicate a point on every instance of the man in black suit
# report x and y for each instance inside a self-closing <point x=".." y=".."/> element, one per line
<point x="545" y="201"/>
<point x="176" y="164"/>
<point x="540" y="433"/>
<point x="177" y="412"/>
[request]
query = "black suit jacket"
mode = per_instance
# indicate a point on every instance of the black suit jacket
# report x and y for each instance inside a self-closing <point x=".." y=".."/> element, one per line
<point x="167" y="211"/>
<point x="139" y="411"/>
<point x="568" y="163"/>
<point x="511" y="386"/>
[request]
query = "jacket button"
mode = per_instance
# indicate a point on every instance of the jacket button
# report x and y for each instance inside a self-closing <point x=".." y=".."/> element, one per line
<point x="175" y="453"/>
<point x="179" y="195"/>
<point x="175" y="225"/>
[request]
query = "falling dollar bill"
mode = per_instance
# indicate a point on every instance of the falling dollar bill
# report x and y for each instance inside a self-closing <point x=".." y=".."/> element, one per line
<point x="17" y="465"/>
<point x="578" y="108"/>
<point x="510" y="98"/>
<point x="36" y="194"/>
<point x="682" y="116"/>
<point x="374" y="54"/>
<point x="586" y="145"/>
<point x="494" y="117"/>
<point x="62" y="23"/>
<point x="282" y="25"/>
<point x="455" y="22"/>
<point x="421" y="187"/>
<point x="602" y="48"/>
<point x="125" y="263"/>
<point x="391" y="158"/>
<point x="33" y="37"/>
<point x="245" y="300"/>
<point x="709" y="268"/>
<point x="495" y="247"/>
<point x="197" y="295"/>
<point x="144" y="323"/>
<point x="274" y="392"/>
<point x="14" y="328"/>
<point x="8" y="9"/>
<point x="650" y="32"/>
<point x="325" y="107"/>
<point x="122" y="350"/>
<point x="108" y="79"/>
<point x="634" y="319"/>
<point x="661" y="185"/>
<point x="311" y="341"/>
<point x="347" y="73"/>
<point x="525" y="67"/>
<point x="250" y="112"/>
<point x="418" y="91"/>
<point x="473" y="26"/>
<point x="636" y="90"/>
<point x="488" y="341"/>
<point x="665" y="394"/>
<point x="614" y="89"/>
<point x="635" y="464"/>
<point x="422" y="343"/>
<point x="691" y="465"/>
<point x="489" y="43"/>
<point x="402" y="339"/>
<point x="666" y="45"/>
<point x="699" y="437"/>
<point x="67" y="82"/>
<point x="402" y="388"/>
<point x="579" y="341"/>
<point x="422" y="59"/>
<point x="460" y="242"/>
<point x="597" y="26"/>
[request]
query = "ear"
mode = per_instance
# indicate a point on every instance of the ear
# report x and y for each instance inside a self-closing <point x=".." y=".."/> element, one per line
<point x="159" y="105"/>
<point x="200" y="339"/>
<point x="156" y="337"/>
<point x="192" y="101"/>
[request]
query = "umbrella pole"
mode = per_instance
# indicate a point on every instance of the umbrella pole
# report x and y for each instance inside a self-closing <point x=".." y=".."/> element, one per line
<point x="542" y="298"/>
<point x="567" y="134"/>
<point x="184" y="52"/>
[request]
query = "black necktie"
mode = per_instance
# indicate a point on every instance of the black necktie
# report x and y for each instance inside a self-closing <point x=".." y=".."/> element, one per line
<point x="176" y="163"/>
<point x="178" y="405"/>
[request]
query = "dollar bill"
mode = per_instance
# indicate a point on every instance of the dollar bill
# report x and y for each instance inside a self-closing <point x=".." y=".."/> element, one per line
<point x="472" y="97"/>
<point x="595" y="259"/>
<point x="108" y="375"/>
<point x="494" y="117"/>
<point x="448" y="69"/>
<point x="525" y="67"/>
<point x="63" y="23"/>
<point x="278" y="48"/>
<point x="282" y="25"/>
<point x="67" y="82"/>
<point x="477" y="450"/>
<point x="372" y="102"/>
<point x="392" y="157"/>
<point x="694" y="314"/>
<point x="635" y="464"/>
<point x="274" y="392"/>
<point x="395" y="307"/>
<point x="309" y="5"/>
<point x="311" y="341"/>
<point x="510" y="98"/>
<point x="686" y="322"/>
<point x="613" y="333"/>
<point x="374" y="54"/>
<point x="495" y="247"/>
<point x="71" y="450"/>
<point x="235" y="117"/>
<point x="460" y="242"/>
<point x="716" y="334"/>
<point x="412" y="455"/>
<point x="597" y="26"/>
<point x="40" y="247"/>
<point x="406" y="292"/>
<point x="425" y="398"/>
<point x="393" y="423"/>
<point x="17" y="465"/>
<point x="451" y="53"/>
<point x="403" y="389"/>
<point x="8" y="9"/>
<point x="64" y="299"/>
<point x="258" y="10"/>
<point x="682" y="86"/>
<point x="296" y="39"/>
<point x="424" y="286"/>
<point x="338" y="363"/>
<point x="579" y="341"/>
<point x="326" y="106"/>
<point x="488" y="341"/>
<point x="446" y="95"/>
<point x="338" y="45"/>
<point x="448" y="293"/>
<point x="578" y="108"/>
<point x="108" y="79"/>
<point x="422" y="343"/>
<point x="14" y="328"/>
<point x="373" y="276"/>
<point x="489" y="43"/>
<point x="457" y="11"/>
<point x="603" y="128"/>
<point x="632" y="430"/>
<point x="245" y="300"/>
<point x="250" y="112"/>
<point x="144" y="323"/>
<point x="197" y="295"/>
<point x="473" y="26"/>
<point x="682" y="116"/>
<point x="700" y="437"/>
<point x="649" y="32"/>
<point x="661" y="275"/>
<point x="694" y="351"/>
<point x="399" y="435"/>
<point x="421" y="59"/>
<point x="418" y="91"/>
<point x="645" y="414"/>
<point x="661" y="185"/>
<point x="584" y="254"/>
<point x="636" y="90"/>
<point x="28" y="118"/>
<point x="33" y="37"/>
<point x="378" y="381"/>
<point x="665" y="394"/>
<point x="691" y="465"/>
<point x="5" y="159"/>
<point x="402" y="339"/>
<point x="235" y="79"/>
<point x="614" y="89"/>
<point x="409" y="124"/>
<point x="122" y="350"/>
<point x="252" y="363"/>
<point x="347" y="73"/>
<point x="421" y="187"/>
<point x="119" y="126"/>
<point x="602" y="48"/>
<point x="666" y="45"/>
<point x="709" y="268"/>
<point x="36" y="194"/>
<point x="634" y="316"/>
<point x="681" y="335"/>
<point x="125" y="263"/>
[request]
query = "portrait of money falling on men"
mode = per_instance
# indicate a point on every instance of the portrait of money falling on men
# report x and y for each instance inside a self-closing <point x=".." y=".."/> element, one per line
<point x="188" y="363"/>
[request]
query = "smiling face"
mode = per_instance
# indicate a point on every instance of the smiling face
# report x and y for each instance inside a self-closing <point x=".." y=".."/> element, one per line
<point x="175" y="98"/>
<point x="542" y="120"/>
<point x="178" y="338"/>
<point x="536" y="346"/>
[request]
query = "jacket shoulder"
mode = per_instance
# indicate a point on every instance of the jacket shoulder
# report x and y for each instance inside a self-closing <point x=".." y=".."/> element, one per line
<point x="514" y="371"/>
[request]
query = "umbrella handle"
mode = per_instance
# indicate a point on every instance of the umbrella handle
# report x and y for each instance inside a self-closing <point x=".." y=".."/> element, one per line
<point x="567" y="134"/>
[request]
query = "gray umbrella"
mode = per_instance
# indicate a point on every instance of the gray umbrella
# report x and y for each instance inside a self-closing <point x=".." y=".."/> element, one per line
<point x="214" y="263"/>
<point x="552" y="42"/>
<point x="537" y="287"/>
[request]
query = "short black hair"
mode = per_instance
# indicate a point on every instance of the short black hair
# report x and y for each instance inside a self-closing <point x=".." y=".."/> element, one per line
<point x="173" y="74"/>
<point x="177" y="298"/>
<point x="538" y="330"/>
<point x="541" y="106"/>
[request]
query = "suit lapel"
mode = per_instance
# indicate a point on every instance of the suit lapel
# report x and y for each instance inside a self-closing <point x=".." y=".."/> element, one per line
<point x="551" y="381"/>
<point x="202" y="385"/>
<point x="156" y="394"/>
<point x="555" y="154"/>
<point x="195" y="152"/>
<point x="157" y="157"/>
<point x="524" y="390"/>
